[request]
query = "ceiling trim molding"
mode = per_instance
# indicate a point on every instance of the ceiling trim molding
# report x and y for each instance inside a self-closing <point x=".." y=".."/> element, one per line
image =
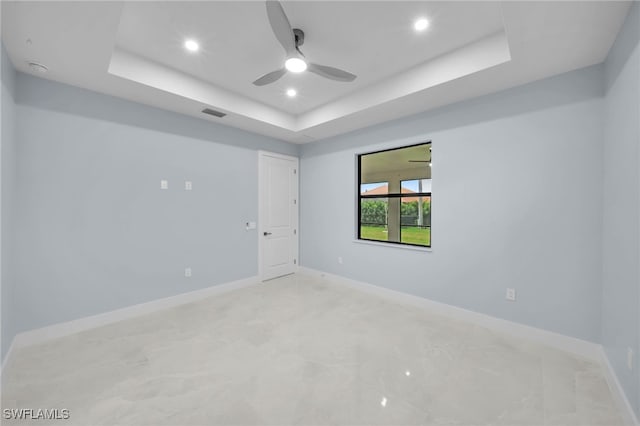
<point x="472" y="58"/>
<point x="478" y="56"/>
<point x="140" y="70"/>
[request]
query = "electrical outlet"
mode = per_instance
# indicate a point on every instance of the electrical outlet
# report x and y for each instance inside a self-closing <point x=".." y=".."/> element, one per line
<point x="340" y="260"/>
<point x="630" y="358"/>
<point x="511" y="294"/>
<point x="164" y="184"/>
<point x="187" y="272"/>
<point x="188" y="185"/>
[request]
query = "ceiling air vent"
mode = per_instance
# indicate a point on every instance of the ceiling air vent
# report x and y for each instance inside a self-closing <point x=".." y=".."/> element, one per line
<point x="214" y="112"/>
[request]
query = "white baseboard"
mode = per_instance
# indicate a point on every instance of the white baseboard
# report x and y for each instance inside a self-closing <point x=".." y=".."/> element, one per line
<point x="620" y="398"/>
<point x="572" y="345"/>
<point x="43" y="334"/>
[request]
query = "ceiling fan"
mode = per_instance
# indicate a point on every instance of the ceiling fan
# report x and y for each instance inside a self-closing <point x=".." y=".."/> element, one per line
<point x="291" y="40"/>
<point x="420" y="161"/>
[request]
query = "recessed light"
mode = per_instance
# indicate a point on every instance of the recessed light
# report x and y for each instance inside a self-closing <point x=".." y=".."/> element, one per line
<point x="292" y="93"/>
<point x="191" y="45"/>
<point x="295" y="65"/>
<point x="421" y="24"/>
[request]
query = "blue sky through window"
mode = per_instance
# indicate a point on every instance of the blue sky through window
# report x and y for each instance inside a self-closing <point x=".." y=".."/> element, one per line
<point x="411" y="185"/>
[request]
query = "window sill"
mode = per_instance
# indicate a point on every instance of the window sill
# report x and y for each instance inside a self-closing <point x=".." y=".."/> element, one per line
<point x="392" y="245"/>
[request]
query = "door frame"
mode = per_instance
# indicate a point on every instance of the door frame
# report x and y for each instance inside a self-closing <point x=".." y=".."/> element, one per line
<point x="261" y="211"/>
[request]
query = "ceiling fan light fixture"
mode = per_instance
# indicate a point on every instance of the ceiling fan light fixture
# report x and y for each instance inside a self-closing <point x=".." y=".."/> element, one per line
<point x="292" y="93"/>
<point x="295" y="65"/>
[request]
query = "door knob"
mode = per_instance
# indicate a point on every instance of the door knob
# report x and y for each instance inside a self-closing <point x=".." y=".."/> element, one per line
<point x="267" y="233"/>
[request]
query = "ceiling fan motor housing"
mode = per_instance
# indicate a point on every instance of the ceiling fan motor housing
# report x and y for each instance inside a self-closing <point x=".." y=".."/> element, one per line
<point x="299" y="35"/>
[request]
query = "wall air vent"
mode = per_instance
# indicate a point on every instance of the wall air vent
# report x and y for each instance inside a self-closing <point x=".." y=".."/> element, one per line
<point x="214" y="112"/>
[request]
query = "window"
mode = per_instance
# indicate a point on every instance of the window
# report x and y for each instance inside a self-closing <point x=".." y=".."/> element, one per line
<point x="394" y="195"/>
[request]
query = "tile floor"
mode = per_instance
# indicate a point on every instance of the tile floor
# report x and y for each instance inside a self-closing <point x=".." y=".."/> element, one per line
<point x="298" y="350"/>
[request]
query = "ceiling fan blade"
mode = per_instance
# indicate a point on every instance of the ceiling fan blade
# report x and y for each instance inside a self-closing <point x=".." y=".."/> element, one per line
<point x="332" y="73"/>
<point x="281" y="26"/>
<point x="270" y="77"/>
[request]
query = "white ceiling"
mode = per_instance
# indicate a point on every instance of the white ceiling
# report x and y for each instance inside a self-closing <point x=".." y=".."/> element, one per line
<point x="134" y="50"/>
<point x="338" y="34"/>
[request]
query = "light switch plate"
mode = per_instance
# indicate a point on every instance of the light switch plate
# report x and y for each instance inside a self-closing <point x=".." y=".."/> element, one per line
<point x="188" y="185"/>
<point x="164" y="184"/>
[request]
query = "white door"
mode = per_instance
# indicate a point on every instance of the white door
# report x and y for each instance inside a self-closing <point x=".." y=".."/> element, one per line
<point x="278" y="199"/>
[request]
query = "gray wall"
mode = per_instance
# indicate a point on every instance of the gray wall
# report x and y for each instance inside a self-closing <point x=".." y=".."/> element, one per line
<point x="621" y="221"/>
<point x="7" y="193"/>
<point x="96" y="233"/>
<point x="517" y="180"/>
